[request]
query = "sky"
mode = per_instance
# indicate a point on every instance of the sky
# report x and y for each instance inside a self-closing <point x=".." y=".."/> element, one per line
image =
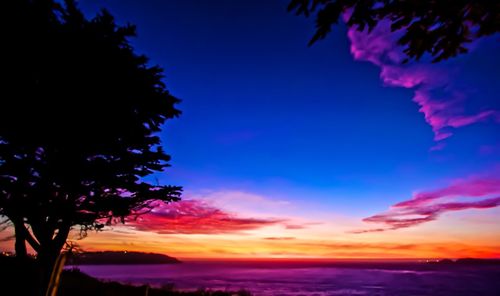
<point x="329" y="151"/>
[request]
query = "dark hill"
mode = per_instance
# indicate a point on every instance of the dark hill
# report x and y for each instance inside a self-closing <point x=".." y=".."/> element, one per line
<point x="116" y="258"/>
<point x="468" y="262"/>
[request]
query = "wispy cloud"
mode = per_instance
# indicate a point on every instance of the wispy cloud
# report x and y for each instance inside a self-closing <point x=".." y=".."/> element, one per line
<point x="429" y="205"/>
<point x="472" y="187"/>
<point x="301" y="225"/>
<point x="441" y="102"/>
<point x="412" y="216"/>
<point x="284" y="238"/>
<point x="238" y="201"/>
<point x="197" y="217"/>
<point x="358" y="246"/>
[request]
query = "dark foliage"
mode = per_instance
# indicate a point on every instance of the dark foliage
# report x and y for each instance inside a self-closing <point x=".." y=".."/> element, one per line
<point x="14" y="281"/>
<point x="76" y="283"/>
<point x="79" y="118"/>
<point x="441" y="28"/>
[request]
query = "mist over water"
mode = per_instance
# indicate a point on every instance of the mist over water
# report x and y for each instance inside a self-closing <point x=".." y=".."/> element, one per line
<point x="285" y="278"/>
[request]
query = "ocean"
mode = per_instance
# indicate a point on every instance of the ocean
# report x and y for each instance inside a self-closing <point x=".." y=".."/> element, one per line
<point x="312" y="278"/>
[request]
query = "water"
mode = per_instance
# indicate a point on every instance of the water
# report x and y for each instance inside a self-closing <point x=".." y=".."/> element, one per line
<point x="318" y="279"/>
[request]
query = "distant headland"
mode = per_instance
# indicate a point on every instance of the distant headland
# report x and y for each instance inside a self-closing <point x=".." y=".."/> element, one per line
<point x="467" y="261"/>
<point x="120" y="258"/>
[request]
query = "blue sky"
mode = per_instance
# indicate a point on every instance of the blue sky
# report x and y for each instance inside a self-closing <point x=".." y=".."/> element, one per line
<point x="265" y="113"/>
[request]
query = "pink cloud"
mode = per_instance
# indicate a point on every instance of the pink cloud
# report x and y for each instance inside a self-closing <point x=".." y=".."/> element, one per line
<point x="413" y="216"/>
<point x="459" y="121"/>
<point x="374" y="47"/>
<point x="294" y="226"/>
<point x="412" y="76"/>
<point x="301" y="226"/>
<point x="359" y="231"/>
<point x="435" y="112"/>
<point x="380" y="48"/>
<point x="196" y="217"/>
<point x="476" y="187"/>
<point x="428" y="205"/>
<point x="285" y="238"/>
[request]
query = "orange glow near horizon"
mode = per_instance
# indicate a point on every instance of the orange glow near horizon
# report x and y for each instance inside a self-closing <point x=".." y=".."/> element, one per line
<point x="208" y="232"/>
<point x="245" y="246"/>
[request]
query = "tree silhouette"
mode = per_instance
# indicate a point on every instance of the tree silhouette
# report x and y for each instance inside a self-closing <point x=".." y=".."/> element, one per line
<point x="440" y="28"/>
<point x="79" y="120"/>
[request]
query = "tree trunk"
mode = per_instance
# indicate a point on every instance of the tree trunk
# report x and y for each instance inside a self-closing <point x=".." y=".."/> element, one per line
<point x="24" y="274"/>
<point x="46" y="259"/>
<point x="20" y="244"/>
<point x="48" y="254"/>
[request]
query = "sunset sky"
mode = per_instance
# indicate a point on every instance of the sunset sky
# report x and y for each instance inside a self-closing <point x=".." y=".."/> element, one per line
<point x="330" y="151"/>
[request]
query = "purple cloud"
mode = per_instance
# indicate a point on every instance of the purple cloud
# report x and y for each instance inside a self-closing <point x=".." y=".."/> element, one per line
<point x="442" y="113"/>
<point x="474" y="187"/>
<point x="413" y="216"/>
<point x="428" y="205"/>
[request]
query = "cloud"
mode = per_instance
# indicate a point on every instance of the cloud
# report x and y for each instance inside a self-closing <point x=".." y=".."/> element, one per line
<point x="359" y="231"/>
<point x="294" y="226"/>
<point x="359" y="246"/>
<point x="197" y="217"/>
<point x="302" y="225"/>
<point x="439" y="100"/>
<point x="413" y="216"/>
<point x="238" y="201"/>
<point x="8" y="238"/>
<point x="472" y="187"/>
<point x="429" y="205"/>
<point x="445" y="113"/>
<point x="280" y="238"/>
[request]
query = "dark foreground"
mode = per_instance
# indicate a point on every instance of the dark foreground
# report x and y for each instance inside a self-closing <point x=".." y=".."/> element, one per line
<point x="219" y="278"/>
<point x="76" y="283"/>
<point x="20" y="279"/>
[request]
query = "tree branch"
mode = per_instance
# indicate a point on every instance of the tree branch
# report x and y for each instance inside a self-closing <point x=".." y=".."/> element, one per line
<point x="31" y="240"/>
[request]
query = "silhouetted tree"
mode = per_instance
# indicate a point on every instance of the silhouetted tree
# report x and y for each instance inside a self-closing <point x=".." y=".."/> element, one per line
<point x="79" y="118"/>
<point x="441" y="28"/>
